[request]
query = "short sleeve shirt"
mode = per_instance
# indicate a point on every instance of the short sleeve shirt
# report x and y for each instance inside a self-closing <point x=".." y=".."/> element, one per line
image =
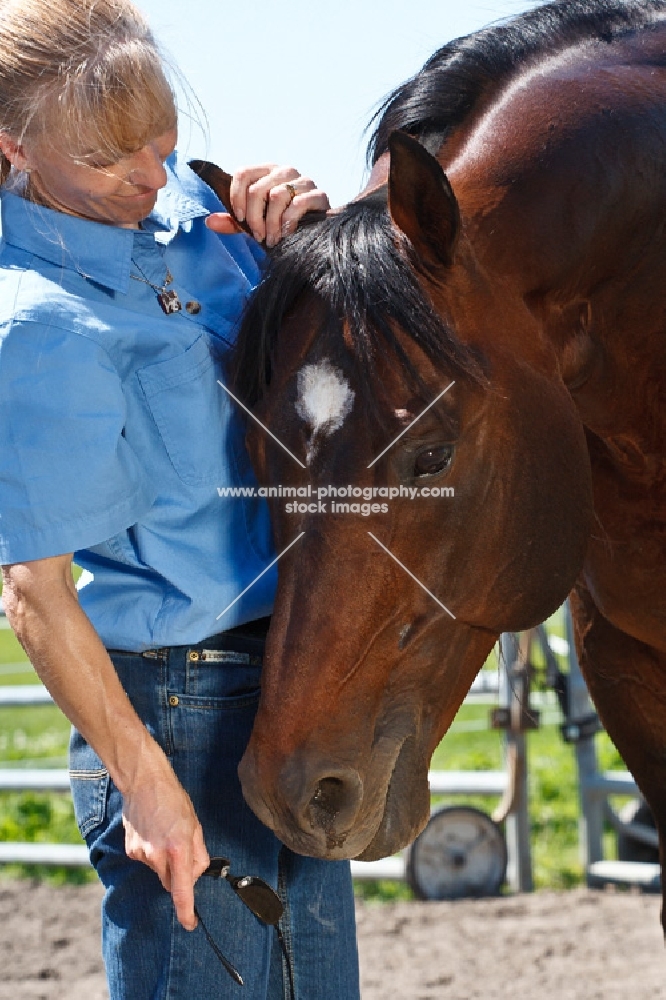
<point x="116" y="438"/>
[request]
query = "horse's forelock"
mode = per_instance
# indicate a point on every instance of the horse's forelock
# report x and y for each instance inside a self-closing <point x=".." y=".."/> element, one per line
<point x="367" y="290"/>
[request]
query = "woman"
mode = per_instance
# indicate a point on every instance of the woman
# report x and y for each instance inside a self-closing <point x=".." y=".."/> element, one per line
<point x="116" y="300"/>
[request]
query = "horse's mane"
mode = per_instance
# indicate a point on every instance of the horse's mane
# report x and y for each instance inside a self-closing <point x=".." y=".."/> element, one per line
<point x="350" y="260"/>
<point x="442" y="94"/>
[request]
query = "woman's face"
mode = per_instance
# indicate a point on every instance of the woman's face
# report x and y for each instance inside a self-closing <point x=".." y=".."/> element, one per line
<point x="120" y="194"/>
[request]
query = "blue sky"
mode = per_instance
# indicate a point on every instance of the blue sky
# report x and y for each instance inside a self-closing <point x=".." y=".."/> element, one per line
<point x="296" y="82"/>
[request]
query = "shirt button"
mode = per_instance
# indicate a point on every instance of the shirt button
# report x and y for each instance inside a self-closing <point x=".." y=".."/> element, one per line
<point x="193" y="307"/>
<point x="173" y="700"/>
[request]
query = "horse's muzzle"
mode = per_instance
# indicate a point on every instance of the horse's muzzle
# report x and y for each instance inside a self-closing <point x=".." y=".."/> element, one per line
<point x="331" y="810"/>
<point x="317" y="807"/>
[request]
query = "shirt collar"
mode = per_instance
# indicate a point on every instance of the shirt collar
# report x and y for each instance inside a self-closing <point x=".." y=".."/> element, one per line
<point x="97" y="251"/>
<point x="175" y="207"/>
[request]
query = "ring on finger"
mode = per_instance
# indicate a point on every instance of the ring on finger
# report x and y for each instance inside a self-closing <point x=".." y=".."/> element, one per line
<point x="292" y="192"/>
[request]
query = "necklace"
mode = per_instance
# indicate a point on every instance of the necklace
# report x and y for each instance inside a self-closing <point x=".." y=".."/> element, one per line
<point x="167" y="297"/>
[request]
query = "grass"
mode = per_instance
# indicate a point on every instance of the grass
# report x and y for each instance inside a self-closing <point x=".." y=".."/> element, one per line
<point x="37" y="737"/>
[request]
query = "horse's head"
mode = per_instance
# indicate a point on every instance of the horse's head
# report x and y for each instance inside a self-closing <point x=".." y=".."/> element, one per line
<point x="386" y="611"/>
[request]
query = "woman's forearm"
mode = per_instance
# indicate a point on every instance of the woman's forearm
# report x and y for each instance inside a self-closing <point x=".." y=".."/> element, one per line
<point x="42" y="607"/>
<point x="161" y="827"/>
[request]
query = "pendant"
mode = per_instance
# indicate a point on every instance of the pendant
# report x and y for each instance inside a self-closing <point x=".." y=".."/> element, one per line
<point x="169" y="301"/>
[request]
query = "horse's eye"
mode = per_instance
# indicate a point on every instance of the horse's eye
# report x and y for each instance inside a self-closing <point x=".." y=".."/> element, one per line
<point x="433" y="460"/>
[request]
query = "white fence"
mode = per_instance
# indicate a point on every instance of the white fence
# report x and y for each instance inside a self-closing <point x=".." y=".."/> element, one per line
<point x="595" y="788"/>
<point x="447" y="783"/>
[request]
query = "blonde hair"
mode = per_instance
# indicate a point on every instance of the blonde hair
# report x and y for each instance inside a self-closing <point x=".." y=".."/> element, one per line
<point x="85" y="76"/>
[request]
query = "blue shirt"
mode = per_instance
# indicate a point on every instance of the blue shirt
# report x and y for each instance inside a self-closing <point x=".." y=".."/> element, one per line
<point x="114" y="434"/>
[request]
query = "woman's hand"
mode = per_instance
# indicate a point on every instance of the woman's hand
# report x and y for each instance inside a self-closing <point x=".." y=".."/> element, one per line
<point x="162" y="831"/>
<point x="271" y="200"/>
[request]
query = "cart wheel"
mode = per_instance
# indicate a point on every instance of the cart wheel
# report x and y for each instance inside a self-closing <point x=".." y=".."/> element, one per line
<point x="628" y="849"/>
<point x="461" y="853"/>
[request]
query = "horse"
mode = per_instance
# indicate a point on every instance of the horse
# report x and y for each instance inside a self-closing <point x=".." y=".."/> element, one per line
<point x="486" y="324"/>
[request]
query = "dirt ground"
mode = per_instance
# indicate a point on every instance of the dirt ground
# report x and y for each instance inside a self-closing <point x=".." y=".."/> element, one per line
<point x="550" y="946"/>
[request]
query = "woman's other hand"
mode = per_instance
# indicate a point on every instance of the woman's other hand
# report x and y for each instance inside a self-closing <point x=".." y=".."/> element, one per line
<point x="271" y="199"/>
<point x="162" y="831"/>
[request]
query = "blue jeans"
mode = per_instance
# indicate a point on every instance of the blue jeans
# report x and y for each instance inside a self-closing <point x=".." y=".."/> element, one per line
<point x="200" y="708"/>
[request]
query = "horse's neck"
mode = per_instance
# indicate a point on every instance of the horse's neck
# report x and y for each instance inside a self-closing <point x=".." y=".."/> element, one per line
<point x="562" y="188"/>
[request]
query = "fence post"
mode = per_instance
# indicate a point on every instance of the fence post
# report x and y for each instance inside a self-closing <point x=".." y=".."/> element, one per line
<point x="517" y="824"/>
<point x="590" y="824"/>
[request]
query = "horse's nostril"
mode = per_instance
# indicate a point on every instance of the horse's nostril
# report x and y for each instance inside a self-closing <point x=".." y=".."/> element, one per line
<point x="329" y="797"/>
<point x="334" y="805"/>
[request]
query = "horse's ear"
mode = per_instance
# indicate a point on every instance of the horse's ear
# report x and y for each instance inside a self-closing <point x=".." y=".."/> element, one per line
<point x="421" y="202"/>
<point x="220" y="182"/>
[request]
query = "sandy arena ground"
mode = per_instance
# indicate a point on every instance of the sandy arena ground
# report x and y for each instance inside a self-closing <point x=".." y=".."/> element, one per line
<point x="547" y="946"/>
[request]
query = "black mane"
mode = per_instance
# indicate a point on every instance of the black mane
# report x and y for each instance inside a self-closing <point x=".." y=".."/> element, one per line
<point x="446" y="90"/>
<point x="350" y="261"/>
